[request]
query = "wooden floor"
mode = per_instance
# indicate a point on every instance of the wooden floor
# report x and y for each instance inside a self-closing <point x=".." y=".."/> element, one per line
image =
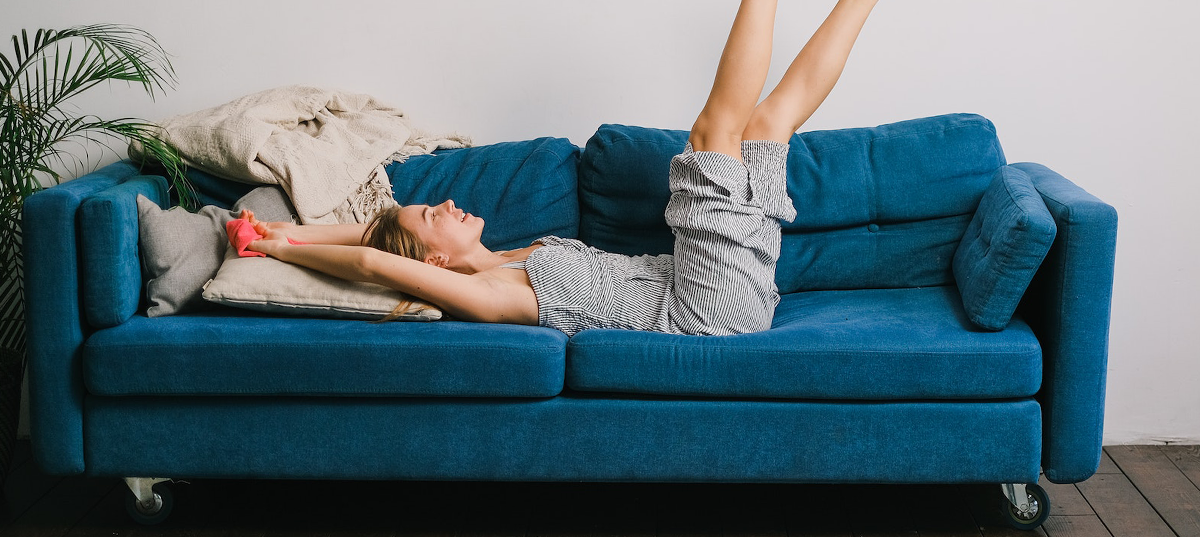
<point x="1141" y="491"/>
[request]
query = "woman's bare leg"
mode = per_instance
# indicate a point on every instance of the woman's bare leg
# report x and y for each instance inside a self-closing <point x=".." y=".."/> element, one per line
<point x="811" y="76"/>
<point x="741" y="74"/>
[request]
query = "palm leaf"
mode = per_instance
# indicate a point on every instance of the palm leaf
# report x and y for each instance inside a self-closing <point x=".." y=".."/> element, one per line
<point x="131" y="54"/>
<point x="36" y="81"/>
<point x="47" y="71"/>
<point x="92" y="130"/>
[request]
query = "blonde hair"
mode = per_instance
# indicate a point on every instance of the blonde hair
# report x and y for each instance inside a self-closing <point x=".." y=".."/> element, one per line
<point x="385" y="233"/>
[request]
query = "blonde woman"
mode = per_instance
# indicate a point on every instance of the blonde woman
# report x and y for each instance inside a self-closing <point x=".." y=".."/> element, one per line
<point x="728" y="193"/>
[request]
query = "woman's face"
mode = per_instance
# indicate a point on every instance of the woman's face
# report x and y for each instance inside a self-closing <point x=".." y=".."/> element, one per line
<point x="444" y="228"/>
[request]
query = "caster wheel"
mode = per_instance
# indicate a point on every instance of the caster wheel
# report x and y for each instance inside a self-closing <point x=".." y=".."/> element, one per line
<point x="1039" y="509"/>
<point x="152" y="512"/>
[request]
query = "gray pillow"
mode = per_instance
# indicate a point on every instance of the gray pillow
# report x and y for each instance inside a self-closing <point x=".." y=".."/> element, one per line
<point x="181" y="251"/>
<point x="269" y="203"/>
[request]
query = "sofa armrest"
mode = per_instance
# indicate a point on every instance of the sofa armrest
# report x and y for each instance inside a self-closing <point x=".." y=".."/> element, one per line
<point x="1068" y="305"/>
<point x="109" y="260"/>
<point x="54" y="319"/>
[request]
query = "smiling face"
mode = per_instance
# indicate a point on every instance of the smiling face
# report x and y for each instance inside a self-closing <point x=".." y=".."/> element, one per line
<point x="445" y="229"/>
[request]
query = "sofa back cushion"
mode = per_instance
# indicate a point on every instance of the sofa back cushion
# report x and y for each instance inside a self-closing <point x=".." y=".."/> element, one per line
<point x="523" y="190"/>
<point x="881" y="207"/>
<point x="1004" y="245"/>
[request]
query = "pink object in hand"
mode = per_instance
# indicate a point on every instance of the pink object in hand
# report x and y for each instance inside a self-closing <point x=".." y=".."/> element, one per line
<point x="241" y="234"/>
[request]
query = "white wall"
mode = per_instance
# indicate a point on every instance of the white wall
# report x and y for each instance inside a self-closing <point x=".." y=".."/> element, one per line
<point x="1103" y="92"/>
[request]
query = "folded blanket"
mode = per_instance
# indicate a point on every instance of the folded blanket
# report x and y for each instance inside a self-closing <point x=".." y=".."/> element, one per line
<point x="325" y="148"/>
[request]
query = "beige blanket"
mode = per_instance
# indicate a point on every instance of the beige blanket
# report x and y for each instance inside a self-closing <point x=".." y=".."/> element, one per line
<point x="325" y="148"/>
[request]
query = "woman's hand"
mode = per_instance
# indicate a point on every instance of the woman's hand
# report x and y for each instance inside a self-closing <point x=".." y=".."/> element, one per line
<point x="286" y="228"/>
<point x="273" y="240"/>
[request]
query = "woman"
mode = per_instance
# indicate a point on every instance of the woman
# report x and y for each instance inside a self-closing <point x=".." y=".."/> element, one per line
<point x="728" y="192"/>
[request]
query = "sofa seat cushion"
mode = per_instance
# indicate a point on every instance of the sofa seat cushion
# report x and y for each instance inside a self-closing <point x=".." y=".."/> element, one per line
<point x="227" y="352"/>
<point x="874" y="344"/>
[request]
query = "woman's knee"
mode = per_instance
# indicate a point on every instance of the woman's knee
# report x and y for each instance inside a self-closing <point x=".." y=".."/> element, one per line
<point x="767" y="123"/>
<point x="722" y="137"/>
<point x="728" y="145"/>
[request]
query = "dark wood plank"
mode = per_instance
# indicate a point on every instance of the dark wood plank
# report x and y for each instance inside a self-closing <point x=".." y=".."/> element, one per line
<point x="1122" y="508"/>
<point x="326" y="508"/>
<point x="1075" y="526"/>
<point x="642" y="507"/>
<point x="818" y="511"/>
<point x="690" y="510"/>
<point x="22" y="453"/>
<point x="25" y="486"/>
<point x="1066" y="500"/>
<point x="427" y="509"/>
<point x="1106" y="465"/>
<point x="230" y="508"/>
<point x="984" y="501"/>
<point x="1173" y="495"/>
<point x="939" y="511"/>
<point x="494" y="509"/>
<point x="56" y="511"/>
<point x="79" y="507"/>
<point x="1187" y="459"/>
<point x="594" y="509"/>
<point x="880" y="511"/>
<point x="756" y="510"/>
<point x="203" y="508"/>
<point x="106" y="519"/>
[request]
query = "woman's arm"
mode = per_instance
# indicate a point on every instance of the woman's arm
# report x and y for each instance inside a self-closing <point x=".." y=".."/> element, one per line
<point x="343" y="234"/>
<point x="468" y="297"/>
<point x="347" y="234"/>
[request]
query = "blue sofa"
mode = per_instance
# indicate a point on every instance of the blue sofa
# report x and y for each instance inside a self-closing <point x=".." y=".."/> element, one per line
<point x="872" y="372"/>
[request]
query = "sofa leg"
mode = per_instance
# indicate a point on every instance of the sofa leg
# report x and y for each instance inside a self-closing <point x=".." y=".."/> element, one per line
<point x="150" y="500"/>
<point x="1016" y="494"/>
<point x="1025" y="506"/>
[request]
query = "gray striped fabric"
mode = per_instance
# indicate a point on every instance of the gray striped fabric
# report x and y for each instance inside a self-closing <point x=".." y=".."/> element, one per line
<point x="721" y="278"/>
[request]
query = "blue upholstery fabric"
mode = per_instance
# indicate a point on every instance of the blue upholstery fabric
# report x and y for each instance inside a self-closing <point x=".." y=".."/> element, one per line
<point x="873" y="344"/>
<point x="504" y="183"/>
<point x="213" y="190"/>
<point x="566" y="438"/>
<point x="298" y="405"/>
<point x="1005" y="243"/>
<point x="1068" y="305"/>
<point x="522" y="190"/>
<point x="241" y="354"/>
<point x="108" y="227"/>
<point x="883" y="207"/>
<point x="54" y="319"/>
<point x="623" y="189"/>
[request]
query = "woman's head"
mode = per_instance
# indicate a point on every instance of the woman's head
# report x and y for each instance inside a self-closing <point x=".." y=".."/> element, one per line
<point x="385" y="233"/>
<point x="440" y="234"/>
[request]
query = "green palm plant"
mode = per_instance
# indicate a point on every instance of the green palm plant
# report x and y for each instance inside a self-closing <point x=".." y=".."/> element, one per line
<point x="36" y="125"/>
<point x="37" y="128"/>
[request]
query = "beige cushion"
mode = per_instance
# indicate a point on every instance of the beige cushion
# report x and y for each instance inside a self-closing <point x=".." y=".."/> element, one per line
<point x="270" y="285"/>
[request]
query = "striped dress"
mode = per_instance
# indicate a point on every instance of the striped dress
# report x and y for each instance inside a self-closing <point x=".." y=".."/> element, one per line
<point x="721" y="279"/>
